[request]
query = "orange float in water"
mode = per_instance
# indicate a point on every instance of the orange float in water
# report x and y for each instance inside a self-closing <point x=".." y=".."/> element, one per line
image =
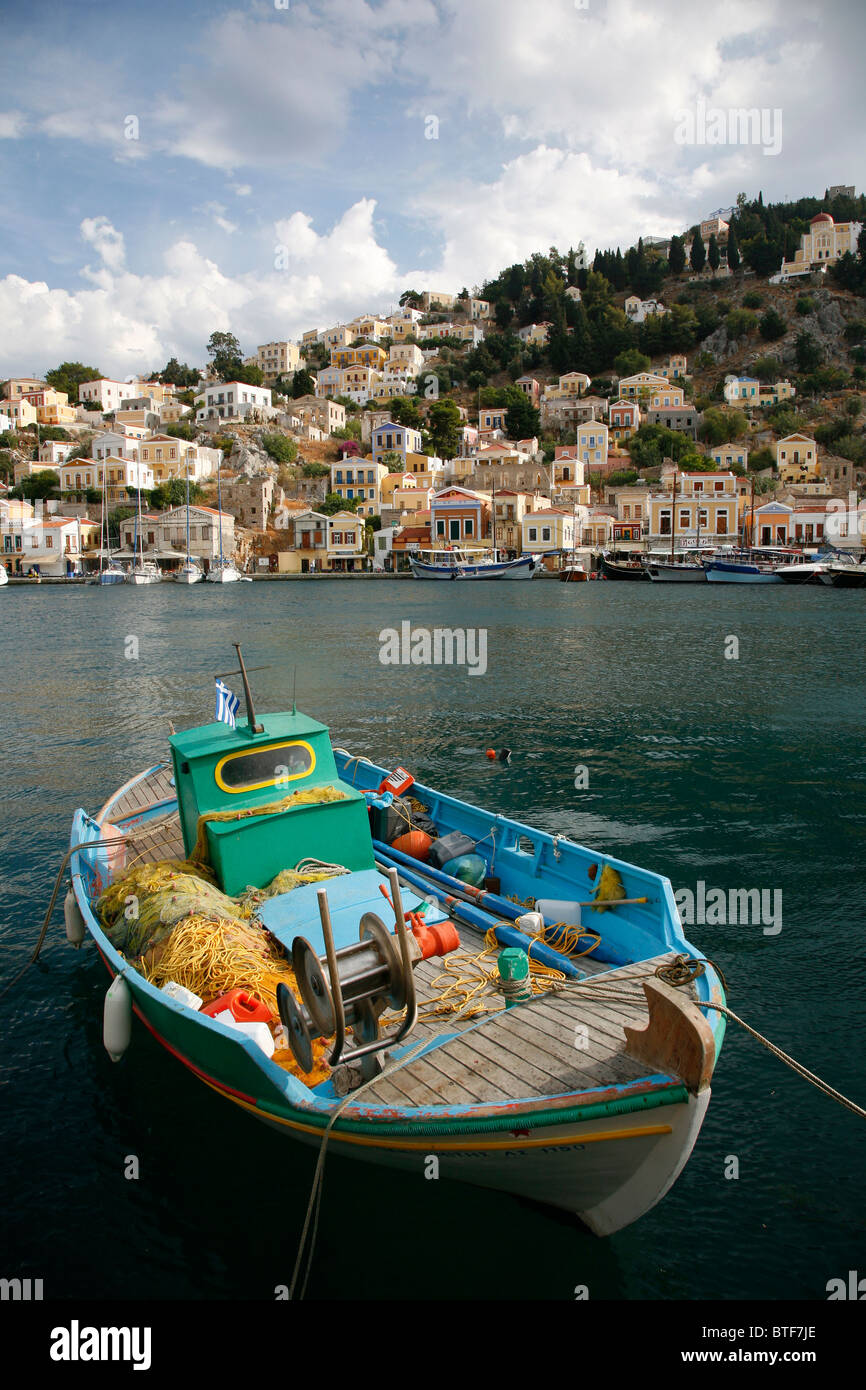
<point x="491" y="754"/>
<point x="416" y="843"/>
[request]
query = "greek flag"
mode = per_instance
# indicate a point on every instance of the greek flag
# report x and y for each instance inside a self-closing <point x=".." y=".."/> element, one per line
<point x="226" y="704"/>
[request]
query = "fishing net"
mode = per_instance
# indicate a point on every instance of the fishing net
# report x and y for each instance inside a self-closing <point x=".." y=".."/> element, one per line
<point x="173" y="922"/>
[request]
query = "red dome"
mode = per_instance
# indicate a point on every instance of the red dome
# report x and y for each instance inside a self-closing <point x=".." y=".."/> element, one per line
<point x="821" y="217"/>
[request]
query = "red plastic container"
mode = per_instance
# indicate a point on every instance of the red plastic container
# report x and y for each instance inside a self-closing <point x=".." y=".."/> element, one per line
<point x="243" y="1007"/>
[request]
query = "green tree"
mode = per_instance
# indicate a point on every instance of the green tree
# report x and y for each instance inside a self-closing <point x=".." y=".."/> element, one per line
<point x="772" y="326"/>
<point x="172" y="493"/>
<point x="677" y="256"/>
<point x="410" y="298"/>
<point x="38" y="486"/>
<point x="713" y="255"/>
<point x="719" y="426"/>
<point x="805" y="305"/>
<point x="733" y="249"/>
<point x="303" y="384"/>
<point x="392" y="460"/>
<point x="335" y="503"/>
<point x="280" y="448"/>
<point x="630" y="362"/>
<point x="224" y="350"/>
<point x="697" y="254"/>
<point x="445" y="424"/>
<point x="69" y="376"/>
<point x="522" y="420"/>
<point x="175" y="373"/>
<point x="405" y="412"/>
<point x="808" y="351"/>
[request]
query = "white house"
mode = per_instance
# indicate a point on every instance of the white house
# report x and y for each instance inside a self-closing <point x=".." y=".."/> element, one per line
<point x="637" y="310"/>
<point x="232" y="400"/>
<point x="106" y="395"/>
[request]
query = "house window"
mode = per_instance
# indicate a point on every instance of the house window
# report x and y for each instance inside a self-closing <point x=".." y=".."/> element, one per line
<point x="685" y="520"/>
<point x="545" y="533"/>
<point x="49" y="542"/>
<point x="533" y="533"/>
<point x="470" y="526"/>
<point x="721" y="523"/>
<point x="664" y="524"/>
<point x="440" y="528"/>
<point x="703" y="516"/>
<point x="454" y="529"/>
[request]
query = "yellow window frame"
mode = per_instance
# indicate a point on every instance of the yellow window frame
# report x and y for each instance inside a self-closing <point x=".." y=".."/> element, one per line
<point x="271" y="781"/>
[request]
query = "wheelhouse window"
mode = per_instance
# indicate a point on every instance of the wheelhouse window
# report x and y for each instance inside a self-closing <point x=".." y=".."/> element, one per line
<point x="264" y="767"/>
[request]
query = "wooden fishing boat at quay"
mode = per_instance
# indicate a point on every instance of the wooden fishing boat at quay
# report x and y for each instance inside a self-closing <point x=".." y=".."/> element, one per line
<point x="588" y="1095"/>
<point x="613" y="568"/>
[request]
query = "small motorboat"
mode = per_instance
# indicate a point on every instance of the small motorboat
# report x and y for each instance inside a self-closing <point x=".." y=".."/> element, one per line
<point x="573" y="573"/>
<point x="673" y="572"/>
<point x="751" y="565"/>
<point x="4" y="577"/>
<point x="292" y="959"/>
<point x="843" y="571"/>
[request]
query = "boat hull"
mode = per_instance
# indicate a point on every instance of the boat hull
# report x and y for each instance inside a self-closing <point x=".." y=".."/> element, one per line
<point x="523" y="568"/>
<point x="677" y="574"/>
<point x="720" y="573"/>
<point x="613" y="570"/>
<point x="222" y="576"/>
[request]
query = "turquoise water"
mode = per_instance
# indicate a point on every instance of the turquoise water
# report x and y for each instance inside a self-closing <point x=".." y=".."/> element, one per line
<point x="743" y="773"/>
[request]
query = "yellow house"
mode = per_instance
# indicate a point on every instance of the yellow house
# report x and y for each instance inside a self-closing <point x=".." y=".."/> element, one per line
<point x="797" y="459"/>
<point x="570" y="384"/>
<point x="667" y="397"/>
<point x="708" y="506"/>
<point x="20" y="411"/>
<point x="367" y="355"/>
<point x="824" y="243"/>
<point x="641" y="385"/>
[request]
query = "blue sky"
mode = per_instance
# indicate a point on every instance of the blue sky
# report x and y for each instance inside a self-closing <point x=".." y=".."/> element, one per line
<point x="306" y="127"/>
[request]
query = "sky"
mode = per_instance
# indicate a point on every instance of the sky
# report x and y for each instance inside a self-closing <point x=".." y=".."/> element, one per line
<point x="274" y="166"/>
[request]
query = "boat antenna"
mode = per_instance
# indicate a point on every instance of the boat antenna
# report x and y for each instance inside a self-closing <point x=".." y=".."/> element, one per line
<point x="294" y="688"/>
<point x="248" y="695"/>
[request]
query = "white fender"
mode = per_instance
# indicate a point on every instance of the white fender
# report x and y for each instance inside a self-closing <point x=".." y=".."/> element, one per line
<point x="117" y="1018"/>
<point x="75" y="930"/>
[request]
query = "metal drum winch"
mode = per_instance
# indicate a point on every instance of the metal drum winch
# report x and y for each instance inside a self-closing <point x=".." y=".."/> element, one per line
<point x="351" y="988"/>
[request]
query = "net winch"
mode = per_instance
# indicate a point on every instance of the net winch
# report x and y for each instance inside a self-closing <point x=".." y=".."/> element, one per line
<point x="349" y="989"/>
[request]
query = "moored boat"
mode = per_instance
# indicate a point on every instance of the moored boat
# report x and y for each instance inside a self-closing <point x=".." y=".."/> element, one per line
<point x="670" y="572"/>
<point x="613" y="568"/>
<point x="4" y="577"/>
<point x="843" y="572"/>
<point x="758" y="565"/>
<point x="587" y="1095"/>
<point x="144" y="572"/>
<point x="190" y="572"/>
<point x="468" y="562"/>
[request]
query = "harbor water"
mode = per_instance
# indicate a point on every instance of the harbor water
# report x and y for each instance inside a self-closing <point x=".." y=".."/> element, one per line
<point x="713" y="734"/>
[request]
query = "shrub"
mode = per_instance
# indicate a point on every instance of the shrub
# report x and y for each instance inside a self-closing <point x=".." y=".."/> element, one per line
<point x="752" y="300"/>
<point x="739" y="323"/>
<point x="772" y="326"/>
<point x="280" y="448"/>
<point x="805" y="305"/>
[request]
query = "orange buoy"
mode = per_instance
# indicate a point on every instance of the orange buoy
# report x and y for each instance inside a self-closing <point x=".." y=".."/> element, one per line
<point x="243" y="1007"/>
<point x="415" y="843"/>
<point x="491" y="754"/>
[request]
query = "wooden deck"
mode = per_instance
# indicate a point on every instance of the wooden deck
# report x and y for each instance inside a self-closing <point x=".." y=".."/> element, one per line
<point x="556" y="1044"/>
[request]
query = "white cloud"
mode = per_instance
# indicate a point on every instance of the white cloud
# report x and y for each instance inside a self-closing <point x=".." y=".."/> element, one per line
<point x="242" y="190"/>
<point x="11" y="125"/>
<point x="124" y="323"/>
<point x="545" y="198"/>
<point x="105" y="238"/>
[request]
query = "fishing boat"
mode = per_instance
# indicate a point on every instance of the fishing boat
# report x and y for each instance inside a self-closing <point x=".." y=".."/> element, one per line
<point x="470" y="562"/>
<point x="682" y="569"/>
<point x="224" y="572"/>
<point x="614" y="568"/>
<point x="758" y="565"/>
<point x="583" y="1085"/>
<point x="190" y="571"/>
<point x="142" y="571"/>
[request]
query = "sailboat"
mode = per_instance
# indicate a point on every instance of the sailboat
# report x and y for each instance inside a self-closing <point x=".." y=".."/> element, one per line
<point x="574" y="572"/>
<point x="190" y="571"/>
<point x="111" y="573"/>
<point x="4" y="577"/>
<point x="143" y="571"/>
<point x="685" y="570"/>
<point x="225" y="572"/>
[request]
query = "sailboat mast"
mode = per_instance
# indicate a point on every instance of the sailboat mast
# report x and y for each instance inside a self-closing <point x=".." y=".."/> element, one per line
<point x="187" y="507"/>
<point x="673" y="515"/>
<point x="220" y="508"/>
